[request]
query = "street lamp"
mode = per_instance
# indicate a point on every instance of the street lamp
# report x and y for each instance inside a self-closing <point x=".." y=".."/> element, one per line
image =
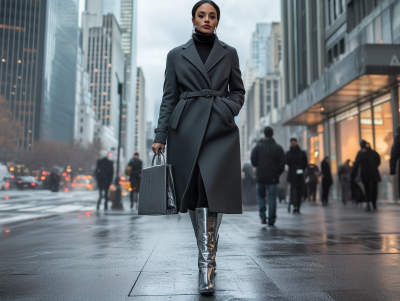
<point x="117" y="204"/>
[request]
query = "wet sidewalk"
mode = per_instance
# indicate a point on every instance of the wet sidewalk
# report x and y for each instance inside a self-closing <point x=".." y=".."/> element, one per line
<point x="332" y="253"/>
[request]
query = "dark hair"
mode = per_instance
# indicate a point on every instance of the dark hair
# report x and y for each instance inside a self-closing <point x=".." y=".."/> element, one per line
<point x="200" y="3"/>
<point x="293" y="139"/>
<point x="268" y="132"/>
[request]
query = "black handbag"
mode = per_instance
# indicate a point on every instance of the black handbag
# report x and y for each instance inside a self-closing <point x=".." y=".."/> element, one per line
<point x="157" y="190"/>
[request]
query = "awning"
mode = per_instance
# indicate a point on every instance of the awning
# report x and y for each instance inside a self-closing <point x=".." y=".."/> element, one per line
<point x="367" y="71"/>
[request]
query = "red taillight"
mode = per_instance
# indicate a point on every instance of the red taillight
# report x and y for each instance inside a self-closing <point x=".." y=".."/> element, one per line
<point x="121" y="183"/>
<point x="72" y="184"/>
<point x="33" y="184"/>
<point x="44" y="173"/>
<point x="19" y="182"/>
<point x="65" y="189"/>
<point x="134" y="188"/>
<point x="64" y="174"/>
<point x="7" y="184"/>
<point x="12" y="177"/>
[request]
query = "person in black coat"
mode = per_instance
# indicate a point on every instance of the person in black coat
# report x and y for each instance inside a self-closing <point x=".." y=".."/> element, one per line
<point x="269" y="159"/>
<point x="249" y="184"/>
<point x="136" y="171"/>
<point x="297" y="161"/>
<point x="54" y="181"/>
<point x="311" y="179"/>
<point x="327" y="180"/>
<point x="104" y="175"/>
<point x="368" y="161"/>
<point x="344" y="173"/>
<point x="395" y="154"/>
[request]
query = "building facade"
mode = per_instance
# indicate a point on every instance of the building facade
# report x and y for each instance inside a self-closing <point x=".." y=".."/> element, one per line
<point x="84" y="114"/>
<point x="39" y="41"/>
<point x="341" y="79"/>
<point x="128" y="27"/>
<point x="263" y="86"/>
<point x="104" y="61"/>
<point x="140" y="120"/>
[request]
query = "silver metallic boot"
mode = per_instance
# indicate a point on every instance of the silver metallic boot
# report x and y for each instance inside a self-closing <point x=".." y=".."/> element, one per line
<point x="192" y="215"/>
<point x="206" y="241"/>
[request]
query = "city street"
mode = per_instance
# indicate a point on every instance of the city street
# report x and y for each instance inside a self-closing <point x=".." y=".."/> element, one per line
<point x="76" y="253"/>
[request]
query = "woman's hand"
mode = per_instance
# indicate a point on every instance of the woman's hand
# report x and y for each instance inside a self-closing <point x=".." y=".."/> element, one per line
<point x="157" y="146"/>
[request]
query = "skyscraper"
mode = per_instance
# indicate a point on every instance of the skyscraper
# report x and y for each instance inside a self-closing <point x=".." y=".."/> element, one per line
<point x="128" y="29"/>
<point x="140" y="120"/>
<point x="104" y="61"/>
<point x="39" y="41"/>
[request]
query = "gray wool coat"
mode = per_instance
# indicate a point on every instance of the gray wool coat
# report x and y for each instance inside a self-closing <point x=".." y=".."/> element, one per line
<point x="199" y="127"/>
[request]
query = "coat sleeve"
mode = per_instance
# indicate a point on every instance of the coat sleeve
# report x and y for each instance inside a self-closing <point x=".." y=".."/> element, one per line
<point x="235" y="99"/>
<point x="169" y="101"/>
<point x="394" y="154"/>
<point x="305" y="161"/>
<point x="254" y="156"/>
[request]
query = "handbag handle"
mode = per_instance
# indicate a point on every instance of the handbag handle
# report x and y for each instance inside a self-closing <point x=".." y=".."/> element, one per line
<point x="158" y="158"/>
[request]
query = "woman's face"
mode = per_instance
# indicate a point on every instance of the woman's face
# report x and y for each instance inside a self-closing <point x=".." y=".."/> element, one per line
<point x="206" y="19"/>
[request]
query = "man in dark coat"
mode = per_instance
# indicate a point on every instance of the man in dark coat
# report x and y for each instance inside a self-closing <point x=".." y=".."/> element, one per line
<point x="249" y="191"/>
<point x="104" y="176"/>
<point x="296" y="159"/>
<point x="136" y="170"/>
<point x="269" y="159"/>
<point x="327" y="180"/>
<point x="368" y="161"/>
<point x="395" y="154"/>
<point x="311" y="180"/>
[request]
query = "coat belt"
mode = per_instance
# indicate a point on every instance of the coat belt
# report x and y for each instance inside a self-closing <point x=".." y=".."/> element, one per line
<point x="183" y="99"/>
<point x="202" y="93"/>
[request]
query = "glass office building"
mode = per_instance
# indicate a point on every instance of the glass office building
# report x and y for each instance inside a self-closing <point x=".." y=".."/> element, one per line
<point x="347" y="85"/>
<point x="38" y="41"/>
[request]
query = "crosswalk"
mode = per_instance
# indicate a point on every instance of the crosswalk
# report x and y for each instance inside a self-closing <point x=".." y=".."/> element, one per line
<point x="41" y="206"/>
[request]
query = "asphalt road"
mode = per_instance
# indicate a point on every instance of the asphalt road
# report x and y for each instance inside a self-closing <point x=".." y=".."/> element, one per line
<point x="332" y="253"/>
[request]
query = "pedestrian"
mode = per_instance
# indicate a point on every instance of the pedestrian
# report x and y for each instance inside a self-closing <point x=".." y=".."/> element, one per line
<point x="135" y="166"/>
<point x="395" y="154"/>
<point x="203" y="92"/>
<point x="368" y="161"/>
<point x="249" y="190"/>
<point x="269" y="159"/>
<point x="311" y="180"/>
<point x="104" y="175"/>
<point x="296" y="159"/>
<point x="55" y="181"/>
<point x="327" y="180"/>
<point x="344" y="173"/>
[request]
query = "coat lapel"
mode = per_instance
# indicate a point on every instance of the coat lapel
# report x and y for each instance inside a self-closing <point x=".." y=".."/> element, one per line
<point x="216" y="54"/>
<point x="191" y="54"/>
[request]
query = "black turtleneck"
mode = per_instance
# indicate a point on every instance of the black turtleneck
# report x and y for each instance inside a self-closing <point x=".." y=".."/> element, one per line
<point x="204" y="44"/>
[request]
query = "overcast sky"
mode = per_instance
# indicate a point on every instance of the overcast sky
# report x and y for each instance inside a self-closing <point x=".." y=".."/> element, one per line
<point x="166" y="24"/>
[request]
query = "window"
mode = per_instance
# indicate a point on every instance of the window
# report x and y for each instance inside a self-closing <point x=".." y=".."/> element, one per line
<point x="81" y="129"/>
<point x="341" y="46"/>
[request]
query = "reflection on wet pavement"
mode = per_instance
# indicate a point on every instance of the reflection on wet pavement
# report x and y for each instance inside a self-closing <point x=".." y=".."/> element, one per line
<point x="332" y="253"/>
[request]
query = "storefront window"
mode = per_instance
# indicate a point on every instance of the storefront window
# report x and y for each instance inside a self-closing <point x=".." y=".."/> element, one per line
<point x="383" y="126"/>
<point x="366" y="124"/>
<point x="378" y="30"/>
<point x="349" y="138"/>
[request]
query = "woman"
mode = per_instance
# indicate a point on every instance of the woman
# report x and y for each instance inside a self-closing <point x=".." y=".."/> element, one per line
<point x="203" y="92"/>
<point x="311" y="179"/>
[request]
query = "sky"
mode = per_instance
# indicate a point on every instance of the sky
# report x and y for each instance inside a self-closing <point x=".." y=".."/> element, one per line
<point x="166" y="24"/>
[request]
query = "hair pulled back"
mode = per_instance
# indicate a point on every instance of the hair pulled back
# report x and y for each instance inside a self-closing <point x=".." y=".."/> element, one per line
<point x="200" y="3"/>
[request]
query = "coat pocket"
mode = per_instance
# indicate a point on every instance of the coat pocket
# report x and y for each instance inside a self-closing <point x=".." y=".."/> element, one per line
<point x="176" y="114"/>
<point x="226" y="111"/>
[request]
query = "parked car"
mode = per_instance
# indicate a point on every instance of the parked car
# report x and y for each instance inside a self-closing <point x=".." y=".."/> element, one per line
<point x="27" y="182"/>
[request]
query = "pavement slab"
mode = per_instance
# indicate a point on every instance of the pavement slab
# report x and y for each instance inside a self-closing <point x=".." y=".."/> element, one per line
<point x="325" y="253"/>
